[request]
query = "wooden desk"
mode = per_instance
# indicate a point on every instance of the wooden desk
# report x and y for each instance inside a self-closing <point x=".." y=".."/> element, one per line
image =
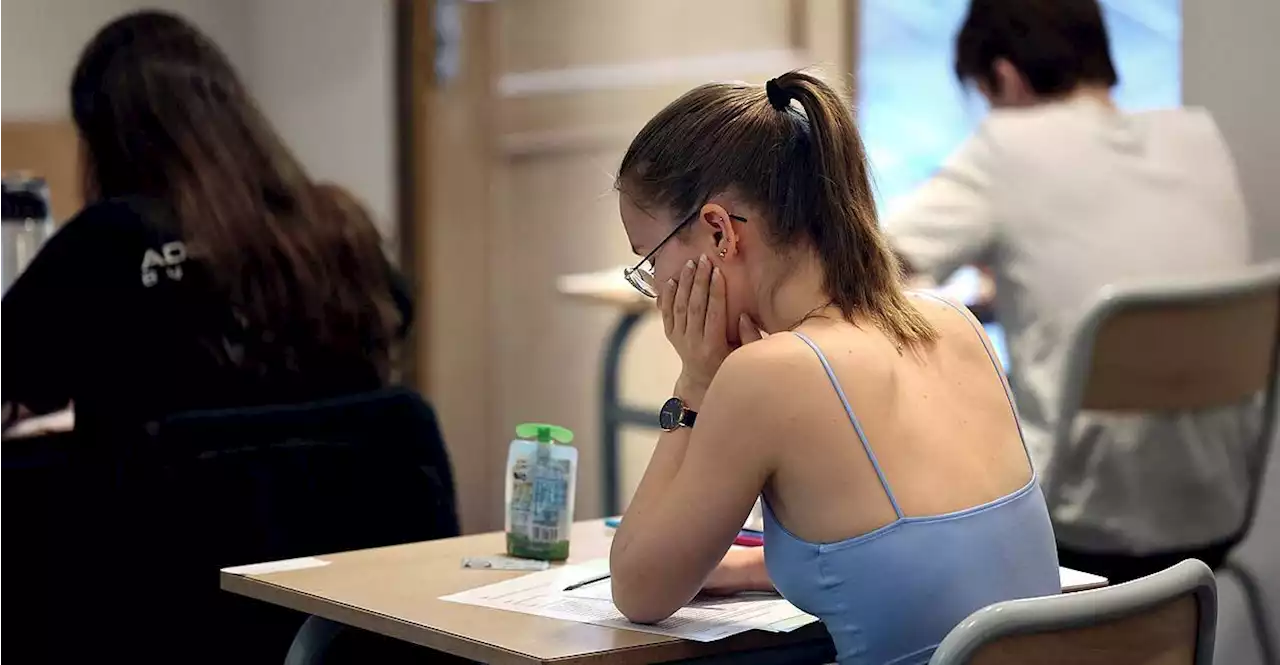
<point x="395" y="591"/>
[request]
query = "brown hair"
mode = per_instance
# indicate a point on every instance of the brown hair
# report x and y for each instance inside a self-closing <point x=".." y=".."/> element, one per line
<point x="804" y="167"/>
<point x="1056" y="44"/>
<point x="162" y="115"/>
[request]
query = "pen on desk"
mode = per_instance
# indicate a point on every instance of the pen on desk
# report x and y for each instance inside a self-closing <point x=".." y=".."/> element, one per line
<point x="590" y="580"/>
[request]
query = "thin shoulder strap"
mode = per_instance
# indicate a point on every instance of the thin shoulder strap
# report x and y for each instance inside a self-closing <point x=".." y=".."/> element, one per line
<point x="995" y="362"/>
<point x="857" y="426"/>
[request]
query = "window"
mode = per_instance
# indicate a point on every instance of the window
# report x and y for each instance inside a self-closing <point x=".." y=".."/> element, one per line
<point x="912" y="112"/>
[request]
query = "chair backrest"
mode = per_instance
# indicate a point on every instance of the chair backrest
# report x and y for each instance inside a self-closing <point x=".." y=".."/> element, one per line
<point x="295" y="480"/>
<point x="145" y="525"/>
<point x="1179" y="346"/>
<point x="52" y="489"/>
<point x="1167" y="618"/>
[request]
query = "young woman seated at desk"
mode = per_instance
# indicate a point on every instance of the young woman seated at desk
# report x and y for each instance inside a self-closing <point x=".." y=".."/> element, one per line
<point x="208" y="269"/>
<point x="878" y="427"/>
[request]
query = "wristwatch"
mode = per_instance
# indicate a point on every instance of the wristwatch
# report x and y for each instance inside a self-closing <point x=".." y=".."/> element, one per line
<point x="675" y="415"/>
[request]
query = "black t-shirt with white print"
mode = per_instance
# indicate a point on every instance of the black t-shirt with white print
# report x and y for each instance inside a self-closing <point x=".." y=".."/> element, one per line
<point x="114" y="316"/>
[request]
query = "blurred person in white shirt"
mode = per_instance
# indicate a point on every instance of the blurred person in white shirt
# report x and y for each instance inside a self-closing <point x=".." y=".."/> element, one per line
<point x="1058" y="194"/>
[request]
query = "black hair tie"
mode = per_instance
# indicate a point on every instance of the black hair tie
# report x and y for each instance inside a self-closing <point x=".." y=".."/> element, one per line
<point x="778" y="98"/>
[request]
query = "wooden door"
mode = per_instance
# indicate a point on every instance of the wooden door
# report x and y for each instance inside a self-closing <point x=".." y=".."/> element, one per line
<point x="520" y="116"/>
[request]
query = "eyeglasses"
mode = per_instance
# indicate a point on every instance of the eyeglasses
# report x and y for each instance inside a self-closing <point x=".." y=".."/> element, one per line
<point x="641" y="276"/>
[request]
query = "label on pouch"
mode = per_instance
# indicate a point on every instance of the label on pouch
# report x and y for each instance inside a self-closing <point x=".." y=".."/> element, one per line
<point x="503" y="563"/>
<point x="538" y="517"/>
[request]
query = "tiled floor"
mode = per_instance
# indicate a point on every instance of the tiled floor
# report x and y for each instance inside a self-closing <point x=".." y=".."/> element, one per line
<point x="1236" y="644"/>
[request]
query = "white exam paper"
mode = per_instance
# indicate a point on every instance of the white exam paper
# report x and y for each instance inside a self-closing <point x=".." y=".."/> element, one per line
<point x="543" y="594"/>
<point x="783" y="618"/>
<point x="1075" y="580"/>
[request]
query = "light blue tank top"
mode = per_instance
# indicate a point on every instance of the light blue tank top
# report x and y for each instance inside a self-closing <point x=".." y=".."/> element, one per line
<point x="891" y="595"/>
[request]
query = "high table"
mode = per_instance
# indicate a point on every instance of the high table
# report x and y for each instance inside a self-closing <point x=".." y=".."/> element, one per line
<point x="609" y="287"/>
<point x="395" y="591"/>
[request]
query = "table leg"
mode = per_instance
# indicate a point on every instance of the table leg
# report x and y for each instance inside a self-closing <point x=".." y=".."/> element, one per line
<point x="611" y="408"/>
<point x="312" y="641"/>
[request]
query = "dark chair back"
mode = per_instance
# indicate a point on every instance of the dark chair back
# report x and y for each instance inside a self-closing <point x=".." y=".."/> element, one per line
<point x="212" y="489"/>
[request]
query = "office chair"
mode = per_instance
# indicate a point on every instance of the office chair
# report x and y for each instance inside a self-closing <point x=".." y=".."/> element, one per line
<point x="156" y="518"/>
<point x="1184" y="347"/>
<point x="1168" y="618"/>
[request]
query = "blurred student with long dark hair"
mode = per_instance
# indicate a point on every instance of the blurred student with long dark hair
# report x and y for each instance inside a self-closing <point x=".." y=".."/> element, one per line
<point x="207" y="269"/>
<point x="1060" y="193"/>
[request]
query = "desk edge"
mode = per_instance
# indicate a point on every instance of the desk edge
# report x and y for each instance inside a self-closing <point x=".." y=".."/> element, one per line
<point x="667" y="650"/>
<point x="374" y="622"/>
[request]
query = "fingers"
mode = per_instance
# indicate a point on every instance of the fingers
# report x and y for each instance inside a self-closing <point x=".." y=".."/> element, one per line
<point x="748" y="331"/>
<point x="717" y="314"/>
<point x="667" y="296"/>
<point x="680" y="306"/>
<point x="696" y="319"/>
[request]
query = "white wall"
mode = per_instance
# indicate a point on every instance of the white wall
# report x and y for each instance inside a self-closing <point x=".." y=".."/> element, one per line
<point x="324" y="73"/>
<point x="322" y="70"/>
<point x="42" y="40"/>
<point x="1229" y="62"/>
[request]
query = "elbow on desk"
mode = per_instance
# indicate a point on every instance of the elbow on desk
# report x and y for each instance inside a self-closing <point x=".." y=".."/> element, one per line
<point x="636" y="607"/>
<point x="639" y="600"/>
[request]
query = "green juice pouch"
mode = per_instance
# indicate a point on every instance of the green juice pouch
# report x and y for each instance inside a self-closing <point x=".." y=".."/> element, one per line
<point x="542" y="472"/>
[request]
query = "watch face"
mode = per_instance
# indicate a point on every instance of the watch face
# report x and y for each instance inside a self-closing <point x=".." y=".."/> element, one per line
<point x="669" y="416"/>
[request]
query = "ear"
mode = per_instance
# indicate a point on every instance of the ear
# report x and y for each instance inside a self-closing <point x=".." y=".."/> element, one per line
<point x="1010" y="87"/>
<point x="723" y="232"/>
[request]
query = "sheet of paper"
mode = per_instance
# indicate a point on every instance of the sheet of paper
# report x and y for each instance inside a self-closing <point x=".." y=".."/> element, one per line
<point x="277" y="566"/>
<point x="1075" y="580"/>
<point x="788" y="625"/>
<point x="602" y="590"/>
<point x="788" y="616"/>
<point x="755" y="521"/>
<point x="704" y="620"/>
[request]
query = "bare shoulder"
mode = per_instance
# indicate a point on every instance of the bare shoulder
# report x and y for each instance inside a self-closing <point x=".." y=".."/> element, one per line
<point x="783" y="370"/>
<point x="958" y="330"/>
<point x="756" y="379"/>
<point x="765" y="364"/>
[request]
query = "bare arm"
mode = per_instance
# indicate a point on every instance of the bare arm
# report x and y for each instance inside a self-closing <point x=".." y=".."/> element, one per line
<point x="698" y="489"/>
<point x="740" y="570"/>
<point x="702" y="483"/>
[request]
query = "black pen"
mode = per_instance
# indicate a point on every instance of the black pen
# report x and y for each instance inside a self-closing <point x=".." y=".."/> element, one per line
<point x="590" y="580"/>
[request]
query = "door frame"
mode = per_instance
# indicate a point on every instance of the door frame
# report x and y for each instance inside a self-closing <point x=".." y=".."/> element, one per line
<point x="446" y="156"/>
<point x="444" y="177"/>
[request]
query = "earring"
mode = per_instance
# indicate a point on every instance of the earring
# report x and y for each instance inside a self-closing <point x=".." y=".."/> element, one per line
<point x="723" y="251"/>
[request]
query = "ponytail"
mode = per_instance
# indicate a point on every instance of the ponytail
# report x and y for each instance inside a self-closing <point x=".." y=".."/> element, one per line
<point x="862" y="273"/>
<point x="805" y="166"/>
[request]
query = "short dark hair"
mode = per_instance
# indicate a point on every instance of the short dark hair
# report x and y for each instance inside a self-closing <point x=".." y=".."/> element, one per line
<point x="802" y="163"/>
<point x="1056" y="44"/>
